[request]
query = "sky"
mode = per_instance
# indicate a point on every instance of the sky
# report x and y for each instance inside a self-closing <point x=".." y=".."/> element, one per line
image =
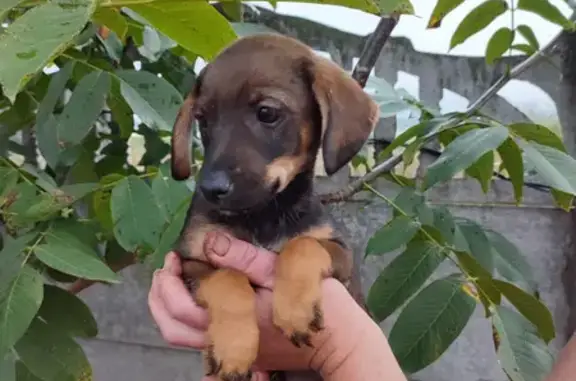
<point x="525" y="96"/>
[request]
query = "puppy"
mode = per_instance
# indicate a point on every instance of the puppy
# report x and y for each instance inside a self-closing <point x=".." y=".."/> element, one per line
<point x="265" y="107"/>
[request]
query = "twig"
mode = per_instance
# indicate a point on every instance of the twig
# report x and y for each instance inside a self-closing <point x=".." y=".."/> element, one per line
<point x="385" y="167"/>
<point x="373" y="48"/>
<point x="356" y="185"/>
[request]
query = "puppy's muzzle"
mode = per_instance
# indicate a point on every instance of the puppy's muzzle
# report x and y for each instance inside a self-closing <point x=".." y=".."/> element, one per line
<point x="216" y="186"/>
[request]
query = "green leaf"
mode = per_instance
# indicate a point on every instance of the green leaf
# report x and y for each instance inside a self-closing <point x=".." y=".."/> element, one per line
<point x="556" y="168"/>
<point x="392" y="235"/>
<point x="137" y="217"/>
<point x="65" y="312"/>
<point x="410" y="152"/>
<point x="121" y="111"/>
<point x="498" y="44"/>
<point x="155" y="147"/>
<point x="8" y="367"/>
<point x="153" y="99"/>
<point x="537" y="133"/>
<point x="12" y="256"/>
<point x="31" y="41"/>
<point x="83" y="108"/>
<point x="390" y="6"/>
<point x="19" y="302"/>
<point x="7" y="5"/>
<point x="51" y="355"/>
<point x="65" y="252"/>
<point x="169" y="237"/>
<point x="61" y="132"/>
<point x="477" y="242"/>
<point x="547" y="11"/>
<point x="111" y="18"/>
<point x="509" y="261"/>
<point x="417" y="130"/>
<point x="23" y="374"/>
<point x="479" y="18"/>
<point x="403" y="277"/>
<point x="430" y="323"/>
<point x="529" y="35"/>
<point x="563" y="200"/>
<point x="101" y="201"/>
<point x="407" y="202"/>
<point x="488" y="292"/>
<point x="522" y="354"/>
<point x="511" y="157"/>
<point x="482" y="170"/>
<point x="8" y="180"/>
<point x="444" y="222"/>
<point x="532" y="309"/>
<point x="524" y="48"/>
<point x="195" y="25"/>
<point x="441" y="10"/>
<point x="464" y="151"/>
<point x="170" y="194"/>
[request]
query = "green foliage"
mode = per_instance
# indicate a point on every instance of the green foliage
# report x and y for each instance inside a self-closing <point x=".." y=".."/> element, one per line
<point x="91" y="209"/>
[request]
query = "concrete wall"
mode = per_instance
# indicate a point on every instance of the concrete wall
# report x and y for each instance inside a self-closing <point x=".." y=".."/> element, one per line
<point x="130" y="348"/>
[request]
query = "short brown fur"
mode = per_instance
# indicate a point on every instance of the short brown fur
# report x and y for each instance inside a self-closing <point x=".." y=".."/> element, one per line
<point x="265" y="107"/>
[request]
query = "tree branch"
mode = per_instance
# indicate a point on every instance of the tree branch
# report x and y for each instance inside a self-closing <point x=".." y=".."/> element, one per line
<point x="373" y="48"/>
<point x="386" y="166"/>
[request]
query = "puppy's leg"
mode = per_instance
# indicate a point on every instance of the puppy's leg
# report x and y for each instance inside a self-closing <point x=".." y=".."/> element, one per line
<point x="302" y="265"/>
<point x="233" y="329"/>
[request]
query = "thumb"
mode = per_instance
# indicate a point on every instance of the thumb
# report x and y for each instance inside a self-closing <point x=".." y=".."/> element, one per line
<point x="226" y="251"/>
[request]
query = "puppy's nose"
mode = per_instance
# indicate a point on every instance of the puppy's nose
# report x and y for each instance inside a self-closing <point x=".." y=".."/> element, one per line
<point x="216" y="185"/>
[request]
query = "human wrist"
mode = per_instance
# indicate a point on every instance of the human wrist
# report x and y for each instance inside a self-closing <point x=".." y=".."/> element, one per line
<point x="345" y="326"/>
<point x="354" y="348"/>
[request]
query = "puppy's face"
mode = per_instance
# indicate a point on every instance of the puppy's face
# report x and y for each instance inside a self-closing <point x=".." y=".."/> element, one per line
<point x="264" y="106"/>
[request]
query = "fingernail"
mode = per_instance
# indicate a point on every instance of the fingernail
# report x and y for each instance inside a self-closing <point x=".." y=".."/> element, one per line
<point x="220" y="244"/>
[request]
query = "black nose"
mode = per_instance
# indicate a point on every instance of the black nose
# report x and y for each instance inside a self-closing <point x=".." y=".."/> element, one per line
<point x="216" y="185"/>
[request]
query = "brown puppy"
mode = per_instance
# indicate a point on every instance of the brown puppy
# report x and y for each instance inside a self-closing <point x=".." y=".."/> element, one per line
<point x="265" y="106"/>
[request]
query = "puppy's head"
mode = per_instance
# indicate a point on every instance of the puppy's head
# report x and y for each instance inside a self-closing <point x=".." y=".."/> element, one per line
<point x="264" y="107"/>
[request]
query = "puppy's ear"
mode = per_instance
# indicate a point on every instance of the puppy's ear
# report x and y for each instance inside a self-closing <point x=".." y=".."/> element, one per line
<point x="180" y="140"/>
<point x="348" y="114"/>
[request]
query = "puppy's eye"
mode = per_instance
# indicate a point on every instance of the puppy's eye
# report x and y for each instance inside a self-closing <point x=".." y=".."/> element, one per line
<point x="267" y="114"/>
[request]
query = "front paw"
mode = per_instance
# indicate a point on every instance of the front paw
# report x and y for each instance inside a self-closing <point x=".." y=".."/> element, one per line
<point x="297" y="311"/>
<point x="233" y="350"/>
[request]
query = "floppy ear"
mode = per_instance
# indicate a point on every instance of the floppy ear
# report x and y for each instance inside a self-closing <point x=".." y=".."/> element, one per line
<point x="348" y="114"/>
<point x="180" y="154"/>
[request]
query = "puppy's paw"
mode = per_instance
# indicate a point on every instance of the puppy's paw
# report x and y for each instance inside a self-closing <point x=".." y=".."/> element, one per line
<point x="297" y="312"/>
<point x="233" y="332"/>
<point x="233" y="349"/>
<point x="302" y="265"/>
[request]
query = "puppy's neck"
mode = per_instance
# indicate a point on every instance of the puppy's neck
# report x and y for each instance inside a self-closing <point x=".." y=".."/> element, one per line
<point x="292" y="211"/>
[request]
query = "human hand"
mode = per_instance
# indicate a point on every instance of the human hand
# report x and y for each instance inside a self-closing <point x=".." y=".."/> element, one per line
<point x="183" y="323"/>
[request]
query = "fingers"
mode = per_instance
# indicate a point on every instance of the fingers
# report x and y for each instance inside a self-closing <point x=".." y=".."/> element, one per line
<point x="178" y="302"/>
<point x="180" y="320"/>
<point x="172" y="264"/>
<point x="173" y="331"/>
<point x="256" y="263"/>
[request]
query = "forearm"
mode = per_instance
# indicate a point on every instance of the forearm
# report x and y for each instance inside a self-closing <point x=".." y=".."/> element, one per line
<point x="371" y="358"/>
<point x="565" y="367"/>
<point x="356" y="349"/>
